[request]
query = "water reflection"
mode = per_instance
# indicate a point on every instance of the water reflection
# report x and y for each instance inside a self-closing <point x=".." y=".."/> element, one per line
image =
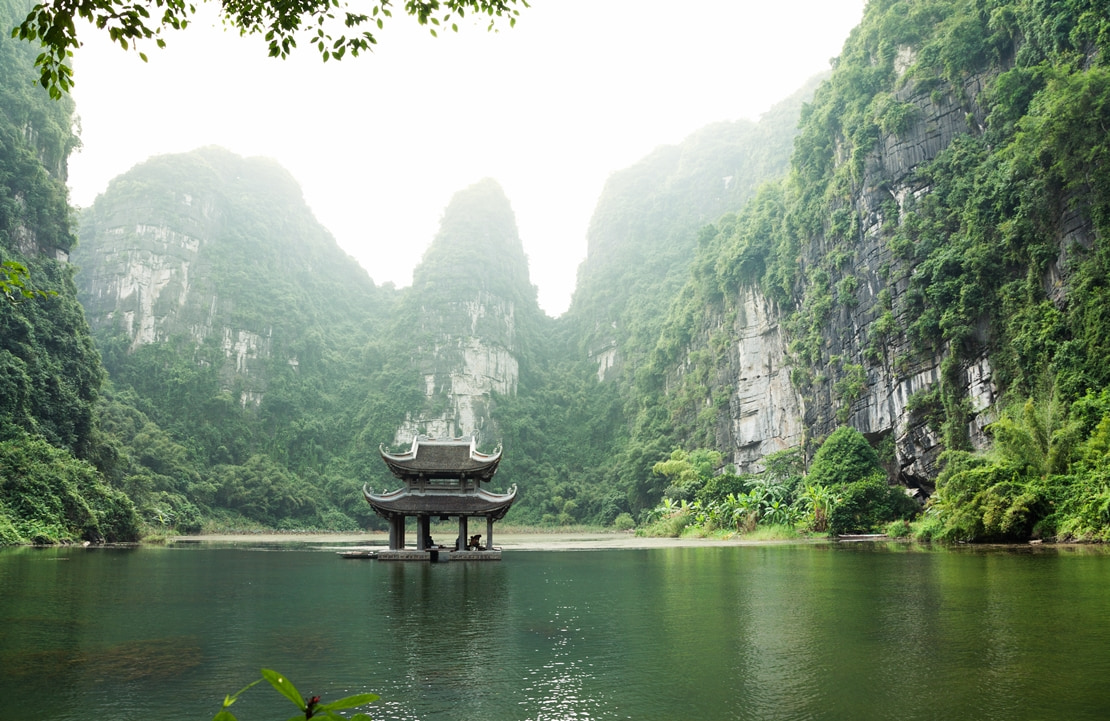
<point x="803" y="632"/>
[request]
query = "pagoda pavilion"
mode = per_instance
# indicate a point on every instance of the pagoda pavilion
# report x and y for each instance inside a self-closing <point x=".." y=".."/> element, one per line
<point x="443" y="478"/>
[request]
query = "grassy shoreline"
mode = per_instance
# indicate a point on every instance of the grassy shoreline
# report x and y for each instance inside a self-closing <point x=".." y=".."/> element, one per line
<point x="509" y="538"/>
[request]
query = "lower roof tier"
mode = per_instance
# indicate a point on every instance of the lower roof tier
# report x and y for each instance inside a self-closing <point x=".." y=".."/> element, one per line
<point x="404" y="502"/>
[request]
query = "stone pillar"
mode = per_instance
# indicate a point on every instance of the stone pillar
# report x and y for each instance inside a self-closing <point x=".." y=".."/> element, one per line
<point x="489" y="533"/>
<point x="401" y="532"/>
<point x="462" y="533"/>
<point x="393" y="533"/>
<point x="422" y="530"/>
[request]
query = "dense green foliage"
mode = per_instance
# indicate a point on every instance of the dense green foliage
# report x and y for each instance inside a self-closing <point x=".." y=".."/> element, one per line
<point x="269" y="368"/>
<point x="47" y="495"/>
<point x="50" y="449"/>
<point x="844" y="491"/>
<point x="999" y="252"/>
<point x="1046" y="476"/>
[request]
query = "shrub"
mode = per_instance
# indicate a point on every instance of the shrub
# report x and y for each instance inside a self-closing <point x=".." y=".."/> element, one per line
<point x="898" y="529"/>
<point x="868" y="504"/>
<point x="51" y="496"/>
<point x="845" y="457"/>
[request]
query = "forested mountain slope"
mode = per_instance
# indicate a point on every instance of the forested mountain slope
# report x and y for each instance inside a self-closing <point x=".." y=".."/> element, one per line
<point x="932" y="272"/>
<point x="643" y="232"/>
<point x="50" y="374"/>
<point x="248" y="353"/>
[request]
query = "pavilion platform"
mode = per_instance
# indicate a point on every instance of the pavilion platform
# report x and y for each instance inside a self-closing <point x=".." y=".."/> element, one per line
<point x="434" y="555"/>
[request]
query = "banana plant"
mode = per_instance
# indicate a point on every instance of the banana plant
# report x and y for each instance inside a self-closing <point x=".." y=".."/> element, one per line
<point x="817" y="502"/>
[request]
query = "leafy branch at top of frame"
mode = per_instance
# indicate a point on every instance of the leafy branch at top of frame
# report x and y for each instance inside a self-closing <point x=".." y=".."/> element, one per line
<point x="330" y="25"/>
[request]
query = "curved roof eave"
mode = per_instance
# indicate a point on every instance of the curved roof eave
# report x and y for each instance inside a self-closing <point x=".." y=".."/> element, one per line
<point x="402" y="502"/>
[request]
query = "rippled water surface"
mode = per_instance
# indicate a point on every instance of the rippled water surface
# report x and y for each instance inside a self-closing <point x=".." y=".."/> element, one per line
<point x="854" y="631"/>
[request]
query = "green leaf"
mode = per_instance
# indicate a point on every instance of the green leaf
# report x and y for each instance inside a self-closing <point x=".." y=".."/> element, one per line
<point x="224" y="716"/>
<point x="284" y="687"/>
<point x="360" y="699"/>
<point x="228" y="700"/>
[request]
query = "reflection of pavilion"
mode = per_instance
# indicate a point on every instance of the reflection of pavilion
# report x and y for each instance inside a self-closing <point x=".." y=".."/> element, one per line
<point x="444" y="479"/>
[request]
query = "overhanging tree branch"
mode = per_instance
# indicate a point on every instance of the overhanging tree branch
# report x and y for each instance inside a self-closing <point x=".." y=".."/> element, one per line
<point x="332" y="26"/>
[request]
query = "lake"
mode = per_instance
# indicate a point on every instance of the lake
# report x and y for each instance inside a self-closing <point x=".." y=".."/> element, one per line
<point x="827" y="631"/>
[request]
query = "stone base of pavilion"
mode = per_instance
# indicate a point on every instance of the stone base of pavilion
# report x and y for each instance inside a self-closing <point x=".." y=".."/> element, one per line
<point x="437" y="555"/>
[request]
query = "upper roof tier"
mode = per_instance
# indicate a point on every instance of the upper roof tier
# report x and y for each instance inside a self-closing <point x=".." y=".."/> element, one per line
<point x="430" y="458"/>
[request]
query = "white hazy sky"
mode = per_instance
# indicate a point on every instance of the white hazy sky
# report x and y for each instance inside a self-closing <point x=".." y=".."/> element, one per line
<point x="577" y="90"/>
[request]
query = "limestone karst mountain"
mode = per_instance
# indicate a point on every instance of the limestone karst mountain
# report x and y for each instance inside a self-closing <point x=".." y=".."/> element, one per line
<point x="928" y="260"/>
<point x="921" y="257"/>
<point x="470" y="318"/>
<point x="220" y="258"/>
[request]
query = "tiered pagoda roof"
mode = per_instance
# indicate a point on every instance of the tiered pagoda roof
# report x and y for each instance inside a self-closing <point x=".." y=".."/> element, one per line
<point x="425" y="467"/>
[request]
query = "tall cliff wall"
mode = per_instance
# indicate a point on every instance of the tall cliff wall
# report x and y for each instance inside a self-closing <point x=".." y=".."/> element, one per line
<point x="469" y="318"/>
<point x="643" y="232"/>
<point x="868" y="368"/>
<point x="215" y="255"/>
<point x="920" y="262"/>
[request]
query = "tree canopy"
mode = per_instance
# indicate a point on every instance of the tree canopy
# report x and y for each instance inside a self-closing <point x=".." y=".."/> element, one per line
<point x="331" y="25"/>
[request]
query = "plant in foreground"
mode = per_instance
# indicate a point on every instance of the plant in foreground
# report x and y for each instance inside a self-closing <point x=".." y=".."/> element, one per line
<point x="310" y="709"/>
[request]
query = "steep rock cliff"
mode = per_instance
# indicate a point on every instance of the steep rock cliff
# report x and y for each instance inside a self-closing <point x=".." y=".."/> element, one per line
<point x="469" y="320"/>
<point x="643" y="232"/>
<point x="868" y="368"/>
<point x="925" y="255"/>
<point x="219" y="257"/>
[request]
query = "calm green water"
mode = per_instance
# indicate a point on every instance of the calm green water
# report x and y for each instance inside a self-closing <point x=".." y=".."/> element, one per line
<point x="785" y="632"/>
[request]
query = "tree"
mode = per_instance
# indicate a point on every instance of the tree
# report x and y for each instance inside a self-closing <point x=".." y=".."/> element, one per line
<point x="330" y="25"/>
<point x="844" y="457"/>
<point x="15" y="283"/>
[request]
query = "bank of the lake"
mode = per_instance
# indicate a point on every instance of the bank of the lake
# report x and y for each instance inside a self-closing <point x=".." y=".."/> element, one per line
<point x="539" y="540"/>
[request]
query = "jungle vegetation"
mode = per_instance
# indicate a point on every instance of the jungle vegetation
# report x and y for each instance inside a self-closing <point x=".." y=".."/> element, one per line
<point x="52" y="453"/>
<point x="99" y="437"/>
<point x="987" y="255"/>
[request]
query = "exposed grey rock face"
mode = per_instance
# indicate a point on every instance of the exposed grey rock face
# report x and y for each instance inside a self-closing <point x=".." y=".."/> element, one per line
<point x="137" y="279"/>
<point x="896" y="372"/>
<point x="765" y="411"/>
<point x="212" y="254"/>
<point x="474" y="305"/>
<point x="866" y="377"/>
<point x="461" y="369"/>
